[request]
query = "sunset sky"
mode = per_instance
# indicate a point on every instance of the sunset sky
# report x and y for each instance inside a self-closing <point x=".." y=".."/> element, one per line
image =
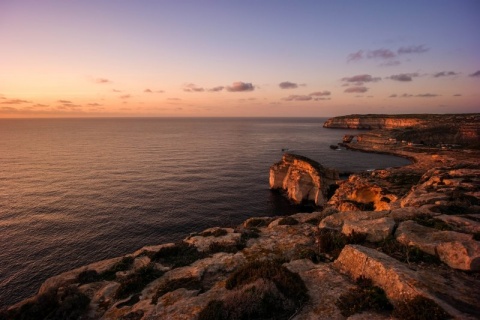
<point x="86" y="58"/>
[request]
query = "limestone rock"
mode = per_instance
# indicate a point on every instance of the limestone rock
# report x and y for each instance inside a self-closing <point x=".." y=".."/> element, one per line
<point x="399" y="282"/>
<point x="302" y="179"/>
<point x="457" y="250"/>
<point x="376" y="229"/>
<point x="336" y="220"/>
<point x="461" y="223"/>
<point x="203" y="242"/>
<point x="462" y="255"/>
<point x="426" y="239"/>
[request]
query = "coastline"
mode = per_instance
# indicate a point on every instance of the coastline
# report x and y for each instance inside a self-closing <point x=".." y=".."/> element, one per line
<point x="226" y="250"/>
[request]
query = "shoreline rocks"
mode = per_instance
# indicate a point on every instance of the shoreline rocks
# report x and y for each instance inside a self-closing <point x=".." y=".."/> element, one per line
<point x="302" y="179"/>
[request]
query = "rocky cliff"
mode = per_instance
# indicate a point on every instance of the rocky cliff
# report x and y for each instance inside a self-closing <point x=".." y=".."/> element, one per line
<point x="302" y="179"/>
<point x="369" y="122"/>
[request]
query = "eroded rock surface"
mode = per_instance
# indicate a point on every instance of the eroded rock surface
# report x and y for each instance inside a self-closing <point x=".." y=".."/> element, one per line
<point x="302" y="179"/>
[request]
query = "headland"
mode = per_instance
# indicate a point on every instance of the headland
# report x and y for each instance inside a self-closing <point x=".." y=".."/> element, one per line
<point x="394" y="243"/>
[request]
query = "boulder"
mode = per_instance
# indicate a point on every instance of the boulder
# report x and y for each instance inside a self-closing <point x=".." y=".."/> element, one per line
<point x="302" y="179"/>
<point x="336" y="220"/>
<point x="457" y="250"/>
<point x="376" y="229"/>
<point x="399" y="282"/>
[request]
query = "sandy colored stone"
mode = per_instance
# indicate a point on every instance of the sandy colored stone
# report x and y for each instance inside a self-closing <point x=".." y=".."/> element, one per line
<point x="203" y="242"/>
<point x="426" y="239"/>
<point x="399" y="282"/>
<point x="461" y="223"/>
<point x="462" y="255"/>
<point x="376" y="229"/>
<point x="336" y="220"/>
<point x="302" y="179"/>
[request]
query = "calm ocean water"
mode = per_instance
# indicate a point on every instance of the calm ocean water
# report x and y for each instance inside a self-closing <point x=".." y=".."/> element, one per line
<point x="74" y="191"/>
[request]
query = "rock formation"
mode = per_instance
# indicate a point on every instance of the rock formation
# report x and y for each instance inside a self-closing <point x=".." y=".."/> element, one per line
<point x="302" y="179"/>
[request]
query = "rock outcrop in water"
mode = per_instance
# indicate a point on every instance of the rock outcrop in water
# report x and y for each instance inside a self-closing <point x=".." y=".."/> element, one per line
<point x="302" y="179"/>
<point x="419" y="256"/>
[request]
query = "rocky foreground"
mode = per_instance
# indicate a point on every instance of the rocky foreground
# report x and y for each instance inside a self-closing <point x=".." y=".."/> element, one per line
<point x="399" y="243"/>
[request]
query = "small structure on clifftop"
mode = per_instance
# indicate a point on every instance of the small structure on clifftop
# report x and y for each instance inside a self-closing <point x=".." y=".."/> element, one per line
<point x="302" y="179"/>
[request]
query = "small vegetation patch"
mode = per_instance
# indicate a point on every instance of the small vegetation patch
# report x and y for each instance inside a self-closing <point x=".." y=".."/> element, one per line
<point x="428" y="221"/>
<point x="287" y="221"/>
<point x="365" y="296"/>
<point x="215" y="233"/>
<point x="135" y="282"/>
<point x="70" y="303"/>
<point x="123" y="265"/>
<point x="256" y="223"/>
<point x="308" y="253"/>
<point x="420" y="308"/>
<point x="174" y="284"/>
<point x="227" y="247"/>
<point x="259" y="290"/>
<point x="406" y="254"/>
<point x="179" y="255"/>
<point x="251" y="233"/>
<point x="313" y="221"/>
<point x="331" y="241"/>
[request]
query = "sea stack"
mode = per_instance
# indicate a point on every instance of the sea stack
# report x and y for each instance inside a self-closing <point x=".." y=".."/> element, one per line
<point x="302" y="179"/>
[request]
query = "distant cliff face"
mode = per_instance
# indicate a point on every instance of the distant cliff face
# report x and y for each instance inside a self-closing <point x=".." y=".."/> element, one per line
<point x="372" y="122"/>
<point x="302" y="179"/>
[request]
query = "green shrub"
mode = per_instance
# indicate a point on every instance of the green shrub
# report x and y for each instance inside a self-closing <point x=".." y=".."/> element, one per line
<point x="406" y="254"/>
<point x="420" y="308"/>
<point x="123" y="265"/>
<point x="174" y="284"/>
<point x="331" y="241"/>
<point x="256" y="223"/>
<point x="364" y="297"/>
<point x="428" y="221"/>
<point x="227" y="247"/>
<point x="134" y="283"/>
<point x="88" y="276"/>
<point x="259" y="290"/>
<point x="287" y="221"/>
<point x="52" y="305"/>
<point x="180" y="255"/>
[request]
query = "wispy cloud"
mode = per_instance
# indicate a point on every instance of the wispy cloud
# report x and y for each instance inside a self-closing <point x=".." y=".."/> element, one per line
<point x="457" y="95"/>
<point x="15" y="101"/>
<point x="381" y="54"/>
<point x="355" y="56"/>
<point x="360" y="79"/>
<point x="240" y="87"/>
<point x="190" y="87"/>
<point x="427" y="95"/>
<point x="403" y="77"/>
<point x="216" y="89"/>
<point x="391" y="63"/>
<point x="118" y="91"/>
<point x="65" y="101"/>
<point x="94" y="104"/>
<point x="320" y="93"/>
<point x="288" y="85"/>
<point x="475" y="74"/>
<point x="445" y="74"/>
<point x="413" y="49"/>
<point x="39" y="105"/>
<point x="421" y="95"/>
<point x="358" y="89"/>
<point x="125" y="96"/>
<point x="148" y="91"/>
<point x="102" y="80"/>
<point x="389" y="57"/>
<point x="296" y="97"/>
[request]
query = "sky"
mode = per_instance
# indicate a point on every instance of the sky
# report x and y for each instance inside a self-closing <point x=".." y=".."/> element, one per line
<point x="250" y="58"/>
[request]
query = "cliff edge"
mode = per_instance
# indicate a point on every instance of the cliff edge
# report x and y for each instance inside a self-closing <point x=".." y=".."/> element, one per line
<point x="302" y="179"/>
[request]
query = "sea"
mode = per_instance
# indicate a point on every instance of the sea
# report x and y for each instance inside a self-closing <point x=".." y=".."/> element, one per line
<point x="75" y="191"/>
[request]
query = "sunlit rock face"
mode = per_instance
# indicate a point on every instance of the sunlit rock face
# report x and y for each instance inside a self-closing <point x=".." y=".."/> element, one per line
<point x="374" y="122"/>
<point x="302" y="179"/>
